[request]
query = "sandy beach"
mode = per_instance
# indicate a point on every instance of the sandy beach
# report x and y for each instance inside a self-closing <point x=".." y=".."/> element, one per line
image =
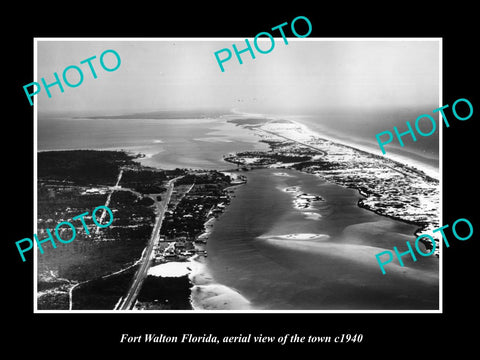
<point x="210" y="295"/>
<point x="429" y="170"/>
<point x="265" y="248"/>
<point x="304" y="133"/>
<point x="206" y="294"/>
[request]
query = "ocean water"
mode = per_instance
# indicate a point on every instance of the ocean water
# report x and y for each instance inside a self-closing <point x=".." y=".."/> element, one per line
<point x="167" y="143"/>
<point x="201" y="142"/>
<point x="359" y="127"/>
<point x="255" y="257"/>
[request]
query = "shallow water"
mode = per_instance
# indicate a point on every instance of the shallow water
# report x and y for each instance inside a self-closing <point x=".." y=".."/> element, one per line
<point x="251" y="256"/>
<point x="248" y="251"/>
<point x="167" y="143"/>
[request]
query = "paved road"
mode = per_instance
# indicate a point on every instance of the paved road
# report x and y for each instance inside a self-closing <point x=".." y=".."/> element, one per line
<point x="107" y="203"/>
<point x="141" y="273"/>
<point x="298" y="142"/>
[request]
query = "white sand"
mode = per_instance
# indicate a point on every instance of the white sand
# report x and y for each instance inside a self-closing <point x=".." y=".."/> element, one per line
<point x="307" y="133"/>
<point x="300" y="132"/>
<point x="217" y="297"/>
<point x="209" y="295"/>
<point x="296" y="236"/>
<point x="312" y="215"/>
<point x="301" y="200"/>
<point x="206" y="294"/>
<point x="170" y="269"/>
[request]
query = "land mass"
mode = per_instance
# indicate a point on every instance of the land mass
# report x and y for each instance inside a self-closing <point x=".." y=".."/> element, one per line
<point x="162" y="114"/>
<point x="94" y="271"/>
<point x="388" y="187"/>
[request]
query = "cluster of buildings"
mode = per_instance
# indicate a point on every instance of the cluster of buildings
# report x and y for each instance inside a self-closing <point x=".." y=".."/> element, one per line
<point x="178" y="250"/>
<point x="187" y="222"/>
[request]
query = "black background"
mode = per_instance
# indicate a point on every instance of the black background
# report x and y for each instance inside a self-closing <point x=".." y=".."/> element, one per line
<point x="384" y="334"/>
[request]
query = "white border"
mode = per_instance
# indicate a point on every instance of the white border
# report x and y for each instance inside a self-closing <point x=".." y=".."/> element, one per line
<point x="440" y="170"/>
<point x="35" y="117"/>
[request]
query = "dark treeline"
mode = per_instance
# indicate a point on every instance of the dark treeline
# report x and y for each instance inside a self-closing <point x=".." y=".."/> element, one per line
<point x="83" y="167"/>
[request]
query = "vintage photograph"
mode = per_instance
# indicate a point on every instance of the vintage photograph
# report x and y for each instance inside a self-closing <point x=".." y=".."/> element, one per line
<point x="260" y="188"/>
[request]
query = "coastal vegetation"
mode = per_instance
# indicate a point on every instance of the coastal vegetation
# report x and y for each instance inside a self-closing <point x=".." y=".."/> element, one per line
<point x="390" y="188"/>
<point x="206" y="196"/>
<point x="264" y="158"/>
<point x="133" y="192"/>
<point x="74" y="182"/>
<point x="248" y="121"/>
<point x="144" y="181"/>
<point x="165" y="293"/>
<point x="82" y="167"/>
<point x="102" y="293"/>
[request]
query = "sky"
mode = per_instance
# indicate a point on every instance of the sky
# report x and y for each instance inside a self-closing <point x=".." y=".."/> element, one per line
<point x="183" y="74"/>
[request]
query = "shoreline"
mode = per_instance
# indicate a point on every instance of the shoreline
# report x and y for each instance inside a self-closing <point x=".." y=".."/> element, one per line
<point x="204" y="293"/>
<point x="300" y="133"/>
<point x="285" y="250"/>
<point x="399" y="159"/>
<point x="402" y="159"/>
<point x="210" y="293"/>
<point x="236" y="181"/>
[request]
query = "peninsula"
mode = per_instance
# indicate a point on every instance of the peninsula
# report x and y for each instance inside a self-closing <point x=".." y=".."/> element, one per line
<point x="388" y="187"/>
